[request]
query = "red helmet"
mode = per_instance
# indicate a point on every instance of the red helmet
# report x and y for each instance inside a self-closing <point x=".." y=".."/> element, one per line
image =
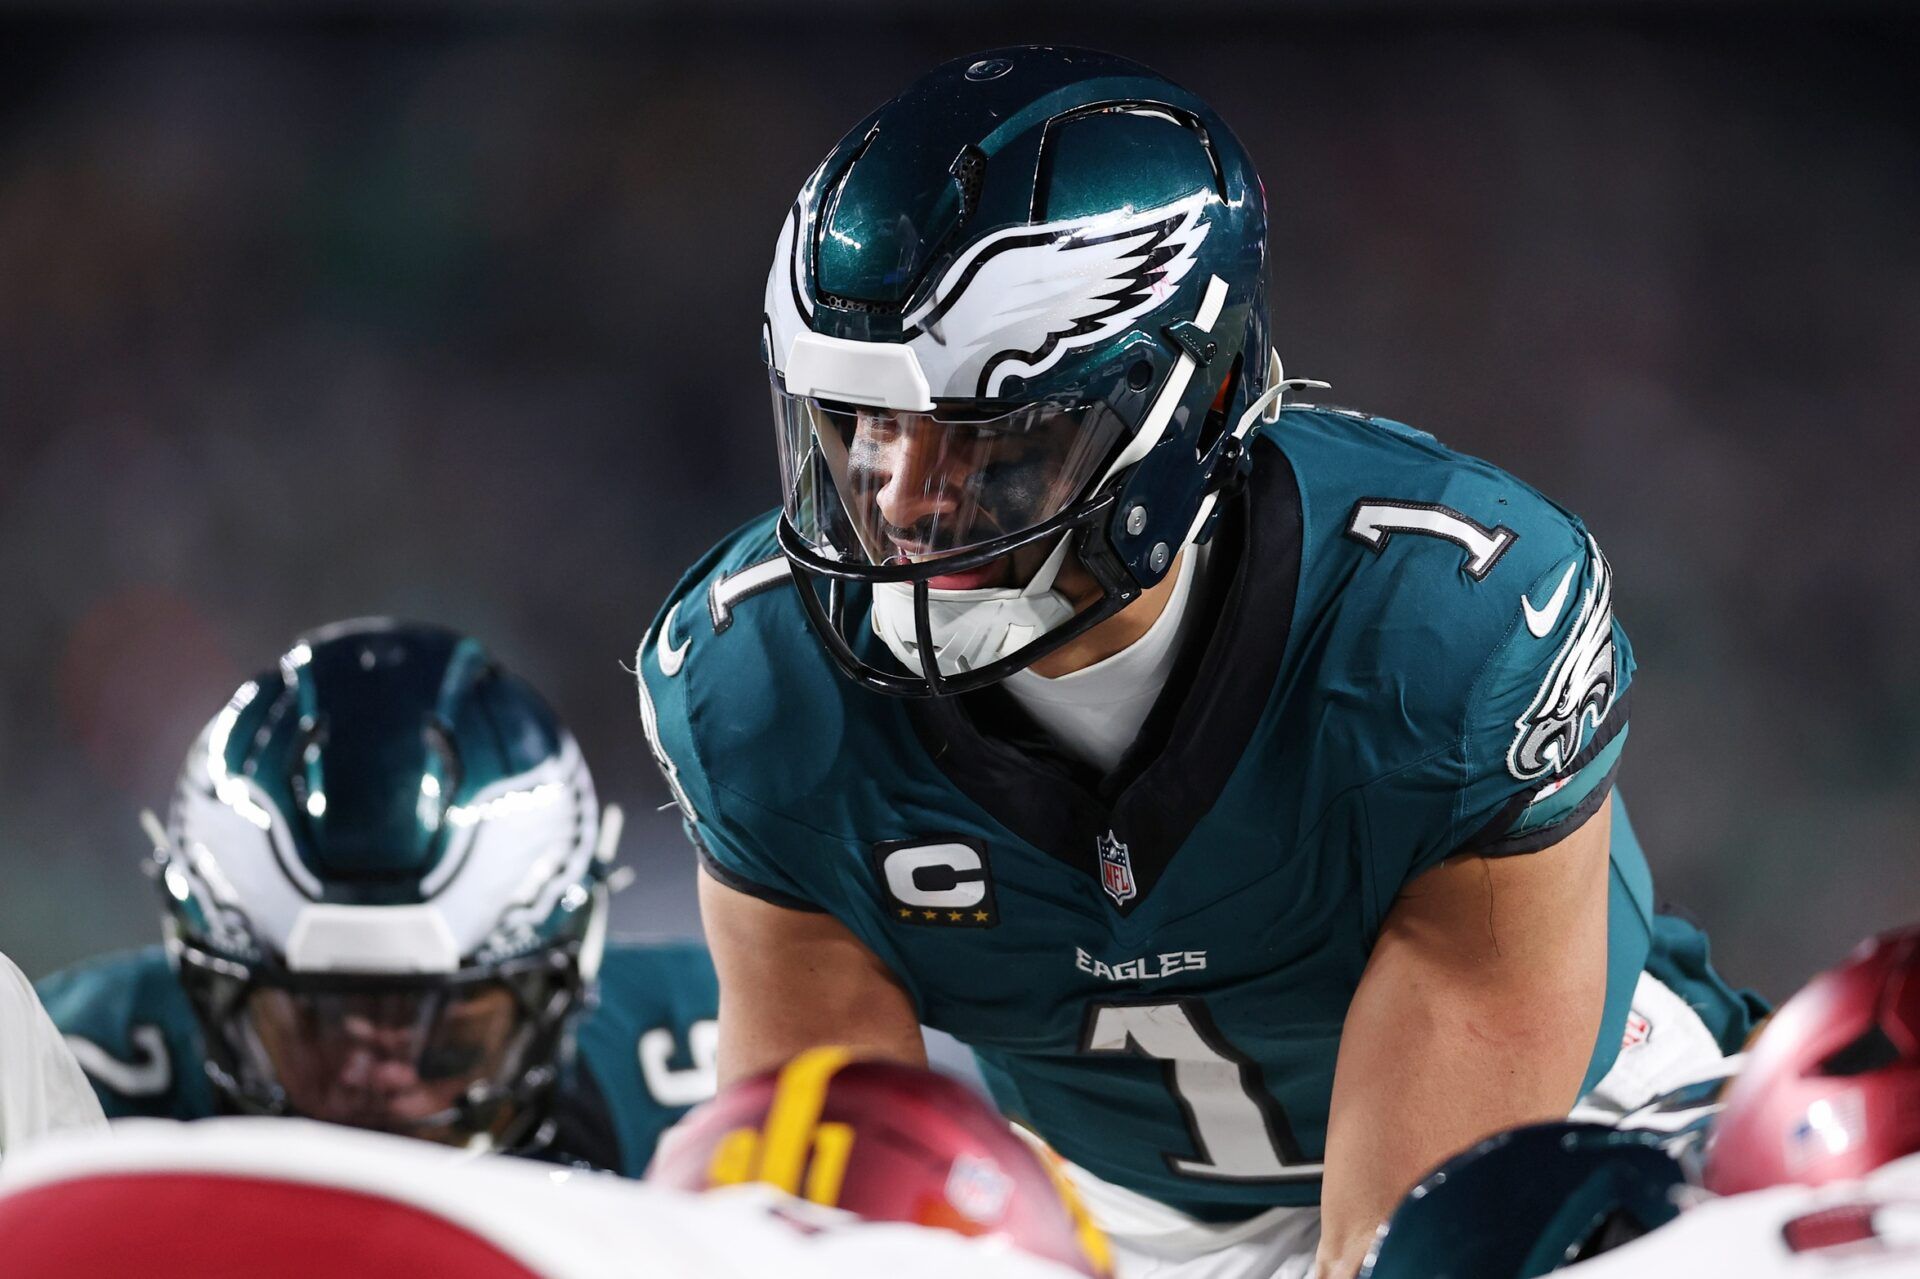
<point x="886" y="1142"/>
<point x="156" y="1225"/>
<point x="1831" y="1090"/>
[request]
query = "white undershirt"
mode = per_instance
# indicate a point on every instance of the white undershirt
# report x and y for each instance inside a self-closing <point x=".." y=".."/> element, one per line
<point x="1094" y="714"/>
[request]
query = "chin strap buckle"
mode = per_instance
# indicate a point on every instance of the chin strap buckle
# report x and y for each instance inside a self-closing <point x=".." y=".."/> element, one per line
<point x="1225" y="482"/>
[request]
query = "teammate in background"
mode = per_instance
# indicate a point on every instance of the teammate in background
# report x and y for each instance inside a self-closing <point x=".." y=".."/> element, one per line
<point x="323" y="1202"/>
<point x="385" y="876"/>
<point x="886" y="1142"/>
<point x="1234" y="776"/>
<point x="1812" y="1168"/>
<point x="41" y="1087"/>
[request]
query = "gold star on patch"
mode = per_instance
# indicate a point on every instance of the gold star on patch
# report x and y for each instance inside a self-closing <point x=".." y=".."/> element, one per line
<point x="932" y="914"/>
<point x="905" y="913"/>
<point x="953" y="916"/>
<point x="980" y="916"/>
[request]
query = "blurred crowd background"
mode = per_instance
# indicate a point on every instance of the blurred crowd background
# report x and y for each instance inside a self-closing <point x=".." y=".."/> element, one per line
<point x="310" y="312"/>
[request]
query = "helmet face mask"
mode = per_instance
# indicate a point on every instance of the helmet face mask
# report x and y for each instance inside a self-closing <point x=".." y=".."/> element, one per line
<point x="465" y="1058"/>
<point x="991" y="372"/>
<point x="1831" y="1088"/>
<point x="389" y="925"/>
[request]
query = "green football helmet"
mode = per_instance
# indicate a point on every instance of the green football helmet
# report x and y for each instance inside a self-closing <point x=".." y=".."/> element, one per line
<point x="1528" y="1202"/>
<point x="1016" y="328"/>
<point x="385" y="878"/>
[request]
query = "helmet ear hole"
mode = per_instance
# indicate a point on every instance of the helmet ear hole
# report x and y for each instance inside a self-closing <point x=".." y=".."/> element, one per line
<point x="1873" y="1050"/>
<point x="1216" y="420"/>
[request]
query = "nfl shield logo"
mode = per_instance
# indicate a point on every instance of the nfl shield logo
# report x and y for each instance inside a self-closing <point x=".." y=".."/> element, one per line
<point x="1116" y="869"/>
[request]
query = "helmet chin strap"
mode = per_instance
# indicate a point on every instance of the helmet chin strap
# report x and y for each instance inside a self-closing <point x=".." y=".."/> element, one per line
<point x="972" y="628"/>
<point x="1264" y="410"/>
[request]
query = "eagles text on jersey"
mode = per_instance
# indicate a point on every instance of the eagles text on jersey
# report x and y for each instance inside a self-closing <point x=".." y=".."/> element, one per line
<point x="1410" y="655"/>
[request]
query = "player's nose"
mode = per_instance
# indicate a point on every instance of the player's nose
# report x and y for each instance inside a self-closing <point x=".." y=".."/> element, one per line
<point x="918" y="482"/>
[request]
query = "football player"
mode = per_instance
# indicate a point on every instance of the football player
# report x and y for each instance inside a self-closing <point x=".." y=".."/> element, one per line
<point x="1234" y="776"/>
<point x="385" y="877"/>
<point x="1813" y="1165"/>
<point x="41" y="1087"/>
<point x="886" y="1142"/>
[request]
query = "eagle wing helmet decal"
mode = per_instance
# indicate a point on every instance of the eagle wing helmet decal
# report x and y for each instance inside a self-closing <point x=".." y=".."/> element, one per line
<point x="1019" y="300"/>
<point x="1579" y="688"/>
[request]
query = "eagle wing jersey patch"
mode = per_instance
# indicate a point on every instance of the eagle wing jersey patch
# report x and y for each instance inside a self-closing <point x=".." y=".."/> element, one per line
<point x="1019" y="300"/>
<point x="1579" y="688"/>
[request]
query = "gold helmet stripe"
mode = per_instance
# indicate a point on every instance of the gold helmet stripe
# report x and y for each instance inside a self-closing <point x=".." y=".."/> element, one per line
<point x="798" y="1098"/>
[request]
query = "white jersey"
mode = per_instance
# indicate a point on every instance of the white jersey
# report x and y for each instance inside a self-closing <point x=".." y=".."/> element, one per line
<point x="42" y="1088"/>
<point x="556" y="1223"/>
<point x="1849" y="1230"/>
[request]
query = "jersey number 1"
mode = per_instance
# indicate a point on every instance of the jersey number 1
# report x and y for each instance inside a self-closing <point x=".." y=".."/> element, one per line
<point x="1239" y="1131"/>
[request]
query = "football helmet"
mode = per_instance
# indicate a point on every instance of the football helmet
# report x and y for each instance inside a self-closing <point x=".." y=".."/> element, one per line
<point x="1831" y="1088"/>
<point x="385" y="880"/>
<point x="1528" y="1202"/>
<point x="1016" y="330"/>
<point x="886" y="1142"/>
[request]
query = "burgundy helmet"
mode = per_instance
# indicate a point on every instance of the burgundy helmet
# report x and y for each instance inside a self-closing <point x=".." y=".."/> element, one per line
<point x="154" y="1223"/>
<point x="1831" y="1090"/>
<point x="886" y="1142"/>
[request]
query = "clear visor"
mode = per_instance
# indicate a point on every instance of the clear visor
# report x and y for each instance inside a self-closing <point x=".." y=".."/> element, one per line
<point x="886" y="486"/>
<point x="398" y="1060"/>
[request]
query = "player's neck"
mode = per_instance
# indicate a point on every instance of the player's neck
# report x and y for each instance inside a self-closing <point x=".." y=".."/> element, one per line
<point x="1117" y="633"/>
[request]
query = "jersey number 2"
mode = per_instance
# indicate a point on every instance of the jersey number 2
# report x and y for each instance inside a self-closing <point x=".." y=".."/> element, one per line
<point x="1239" y="1131"/>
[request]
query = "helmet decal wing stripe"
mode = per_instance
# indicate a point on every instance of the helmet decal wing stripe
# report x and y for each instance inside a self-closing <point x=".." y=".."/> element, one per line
<point x="1018" y="301"/>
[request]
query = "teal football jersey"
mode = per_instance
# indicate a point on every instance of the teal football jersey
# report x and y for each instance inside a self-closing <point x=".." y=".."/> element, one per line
<point x="643" y="1052"/>
<point x="1409" y="655"/>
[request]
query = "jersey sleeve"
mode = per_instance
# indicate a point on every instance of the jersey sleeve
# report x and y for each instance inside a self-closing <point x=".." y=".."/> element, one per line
<point x="1547" y="719"/>
<point x="128" y="1022"/>
<point x="675" y="717"/>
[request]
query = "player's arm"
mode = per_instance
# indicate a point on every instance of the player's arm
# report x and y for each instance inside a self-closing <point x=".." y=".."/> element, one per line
<point x="794" y="979"/>
<point x="1478" y="1011"/>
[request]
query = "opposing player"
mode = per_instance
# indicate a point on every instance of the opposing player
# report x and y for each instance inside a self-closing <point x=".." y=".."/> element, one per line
<point x="1234" y="776"/>
<point x="41" y="1087"/>
<point x="385" y="876"/>
<point x="322" y="1202"/>
<point x="886" y="1142"/>
<point x="1813" y="1167"/>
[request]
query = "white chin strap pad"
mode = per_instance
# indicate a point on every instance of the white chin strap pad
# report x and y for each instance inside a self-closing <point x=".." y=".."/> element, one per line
<point x="972" y="629"/>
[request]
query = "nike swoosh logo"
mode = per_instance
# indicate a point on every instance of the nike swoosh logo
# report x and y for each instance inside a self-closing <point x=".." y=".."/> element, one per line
<point x="669" y="657"/>
<point x="1540" y="620"/>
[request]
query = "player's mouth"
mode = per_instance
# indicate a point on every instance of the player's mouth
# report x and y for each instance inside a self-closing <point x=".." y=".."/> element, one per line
<point x="990" y="574"/>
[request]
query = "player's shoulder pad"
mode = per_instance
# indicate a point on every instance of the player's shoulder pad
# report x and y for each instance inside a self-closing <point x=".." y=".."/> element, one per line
<point x="1446" y="568"/>
<point x="133" y="1031"/>
<point x="732" y="679"/>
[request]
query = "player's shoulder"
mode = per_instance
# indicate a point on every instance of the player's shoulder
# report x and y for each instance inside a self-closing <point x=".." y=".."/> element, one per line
<point x="105" y="993"/>
<point x="655" y="982"/>
<point x="1364" y="480"/>
<point x="1454" y="555"/>
<point x="130" y="1025"/>
<point x="733" y="680"/>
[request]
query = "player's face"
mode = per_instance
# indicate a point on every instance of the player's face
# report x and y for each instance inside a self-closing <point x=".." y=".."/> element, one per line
<point x="937" y="485"/>
<point x="391" y="1061"/>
